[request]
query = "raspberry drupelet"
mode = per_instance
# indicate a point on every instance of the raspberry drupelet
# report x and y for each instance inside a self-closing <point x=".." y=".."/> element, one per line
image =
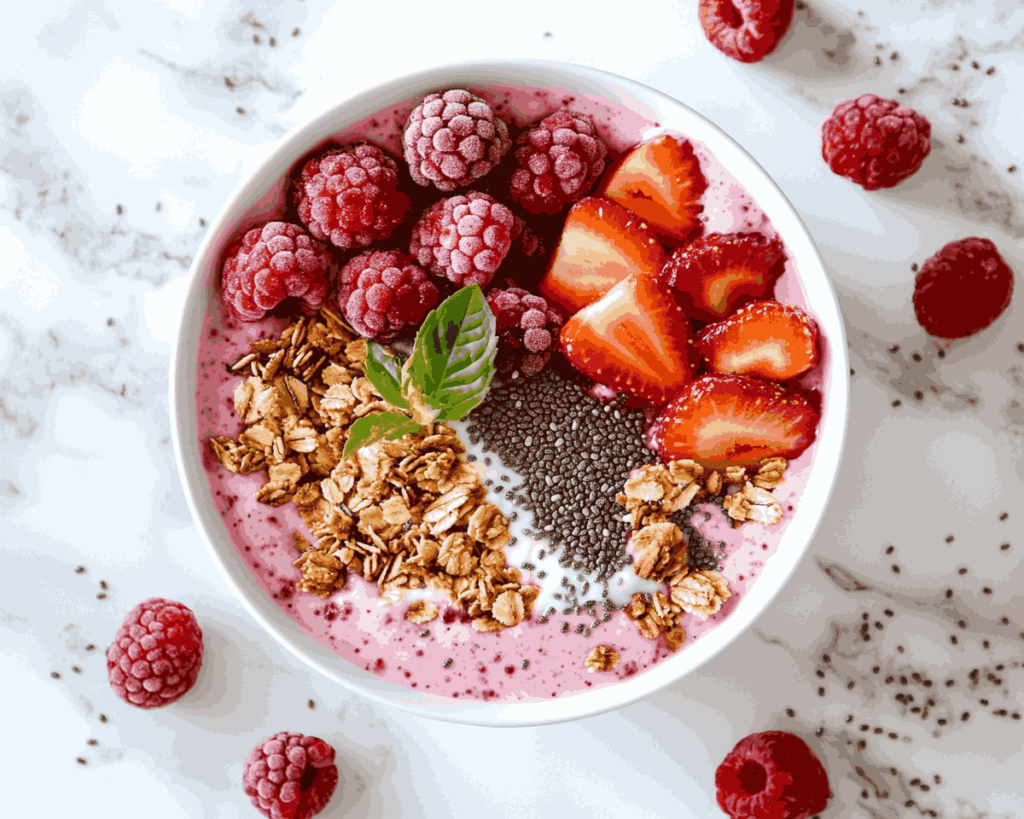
<point x="875" y="142"/>
<point x="527" y="327"/>
<point x="452" y="139"/>
<point x="349" y="196"/>
<point x="272" y="262"/>
<point x="156" y="654"/>
<point x="382" y="292"/>
<point x="561" y="158"/>
<point x="290" y="776"/>
<point x="464" y="238"/>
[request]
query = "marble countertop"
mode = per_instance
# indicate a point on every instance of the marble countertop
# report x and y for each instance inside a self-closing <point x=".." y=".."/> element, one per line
<point x="896" y="648"/>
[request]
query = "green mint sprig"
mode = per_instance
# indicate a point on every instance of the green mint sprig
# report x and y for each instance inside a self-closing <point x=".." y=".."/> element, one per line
<point x="448" y="374"/>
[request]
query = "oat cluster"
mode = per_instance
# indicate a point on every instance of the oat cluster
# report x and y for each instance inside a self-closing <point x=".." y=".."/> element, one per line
<point x="654" y="493"/>
<point x="403" y="514"/>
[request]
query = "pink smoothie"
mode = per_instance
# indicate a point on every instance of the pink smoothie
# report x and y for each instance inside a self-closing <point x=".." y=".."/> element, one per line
<point x="531" y="661"/>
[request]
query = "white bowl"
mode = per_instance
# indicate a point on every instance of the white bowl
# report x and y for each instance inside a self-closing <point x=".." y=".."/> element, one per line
<point x="259" y="196"/>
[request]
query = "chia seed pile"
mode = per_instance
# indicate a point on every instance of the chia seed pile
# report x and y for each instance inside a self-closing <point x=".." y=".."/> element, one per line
<point x="576" y="453"/>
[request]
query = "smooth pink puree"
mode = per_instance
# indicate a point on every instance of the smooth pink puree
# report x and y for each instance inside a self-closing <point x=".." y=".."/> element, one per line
<point x="483" y="666"/>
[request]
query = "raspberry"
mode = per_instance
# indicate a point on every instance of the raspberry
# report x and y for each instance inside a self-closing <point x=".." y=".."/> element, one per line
<point x="875" y="142"/>
<point x="349" y="196"/>
<point x="527" y="327"/>
<point x="771" y="775"/>
<point x="561" y="158"/>
<point x="272" y="262"/>
<point x="290" y="776"/>
<point x="384" y="291"/>
<point x="746" y="30"/>
<point x="452" y="139"/>
<point x="156" y="654"/>
<point x="962" y="289"/>
<point x="464" y="238"/>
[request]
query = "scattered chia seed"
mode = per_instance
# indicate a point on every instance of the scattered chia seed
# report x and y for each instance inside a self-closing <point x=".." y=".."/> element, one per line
<point x="525" y="665"/>
<point x="448" y="662"/>
<point x="565" y="627"/>
<point x="425" y="633"/>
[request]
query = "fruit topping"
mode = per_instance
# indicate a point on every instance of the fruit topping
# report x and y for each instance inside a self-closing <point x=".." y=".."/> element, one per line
<point x="717" y="273"/>
<point x="464" y="238"/>
<point x="527" y="328"/>
<point x="764" y="339"/>
<point x="662" y="183"/>
<point x="452" y="139"/>
<point x="601" y="244"/>
<point x="156" y="654"/>
<point x="723" y="420"/>
<point x="746" y="30"/>
<point x="271" y="263"/>
<point x="875" y="142"/>
<point x="561" y="158"/>
<point x="634" y="339"/>
<point x="290" y="776"/>
<point x="383" y="292"/>
<point x="962" y="289"/>
<point x="349" y="196"/>
<point x="772" y="775"/>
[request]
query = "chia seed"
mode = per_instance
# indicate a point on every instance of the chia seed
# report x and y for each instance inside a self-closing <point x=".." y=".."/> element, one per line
<point x="448" y="663"/>
<point x="559" y="426"/>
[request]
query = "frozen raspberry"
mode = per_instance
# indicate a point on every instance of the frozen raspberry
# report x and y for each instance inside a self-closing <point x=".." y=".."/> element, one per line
<point x="383" y="292"/>
<point x="746" y="30"/>
<point x="561" y="158"/>
<point x="771" y="775"/>
<point x="349" y="196"/>
<point x="290" y="776"/>
<point x="272" y="262"/>
<point x="962" y="289"/>
<point x="156" y="654"/>
<point x="875" y="142"/>
<point x="464" y="238"/>
<point x="527" y="328"/>
<point x="452" y="139"/>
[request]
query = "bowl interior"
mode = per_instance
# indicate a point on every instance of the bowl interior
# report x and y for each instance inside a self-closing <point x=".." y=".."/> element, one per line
<point x="261" y="196"/>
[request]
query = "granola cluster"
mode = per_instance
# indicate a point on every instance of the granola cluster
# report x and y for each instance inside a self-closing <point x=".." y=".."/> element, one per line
<point x="404" y="514"/>
<point x="650" y="496"/>
<point x="602" y="658"/>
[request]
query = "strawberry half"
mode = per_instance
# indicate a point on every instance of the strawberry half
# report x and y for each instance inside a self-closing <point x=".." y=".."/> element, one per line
<point x="634" y="339"/>
<point x="662" y="183"/>
<point x="721" y="420"/>
<point x="601" y="244"/>
<point x="764" y="339"/>
<point x="717" y="273"/>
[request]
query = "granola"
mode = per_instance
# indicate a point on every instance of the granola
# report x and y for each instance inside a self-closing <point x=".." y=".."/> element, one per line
<point x="404" y="514"/>
<point x="655" y="491"/>
<point x="602" y="658"/>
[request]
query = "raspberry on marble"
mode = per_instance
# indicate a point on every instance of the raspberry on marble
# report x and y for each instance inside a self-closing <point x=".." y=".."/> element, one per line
<point x="290" y="776"/>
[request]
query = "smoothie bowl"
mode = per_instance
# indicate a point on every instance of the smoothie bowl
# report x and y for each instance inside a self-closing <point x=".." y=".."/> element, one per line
<point x="648" y="425"/>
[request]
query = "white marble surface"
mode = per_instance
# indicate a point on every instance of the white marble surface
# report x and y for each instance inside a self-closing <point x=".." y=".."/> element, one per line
<point x="124" y="127"/>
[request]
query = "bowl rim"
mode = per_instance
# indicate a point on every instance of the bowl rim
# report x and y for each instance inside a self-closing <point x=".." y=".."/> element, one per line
<point x="827" y="456"/>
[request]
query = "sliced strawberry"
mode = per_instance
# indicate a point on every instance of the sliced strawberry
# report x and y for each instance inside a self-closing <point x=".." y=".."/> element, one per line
<point x="717" y="273"/>
<point x="634" y="339"/>
<point x="660" y="181"/>
<point x="722" y="420"/>
<point x="602" y="243"/>
<point x="764" y="339"/>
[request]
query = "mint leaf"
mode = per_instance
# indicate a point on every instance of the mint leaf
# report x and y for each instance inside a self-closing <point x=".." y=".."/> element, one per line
<point x="377" y="426"/>
<point x="452" y="364"/>
<point x="383" y="368"/>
